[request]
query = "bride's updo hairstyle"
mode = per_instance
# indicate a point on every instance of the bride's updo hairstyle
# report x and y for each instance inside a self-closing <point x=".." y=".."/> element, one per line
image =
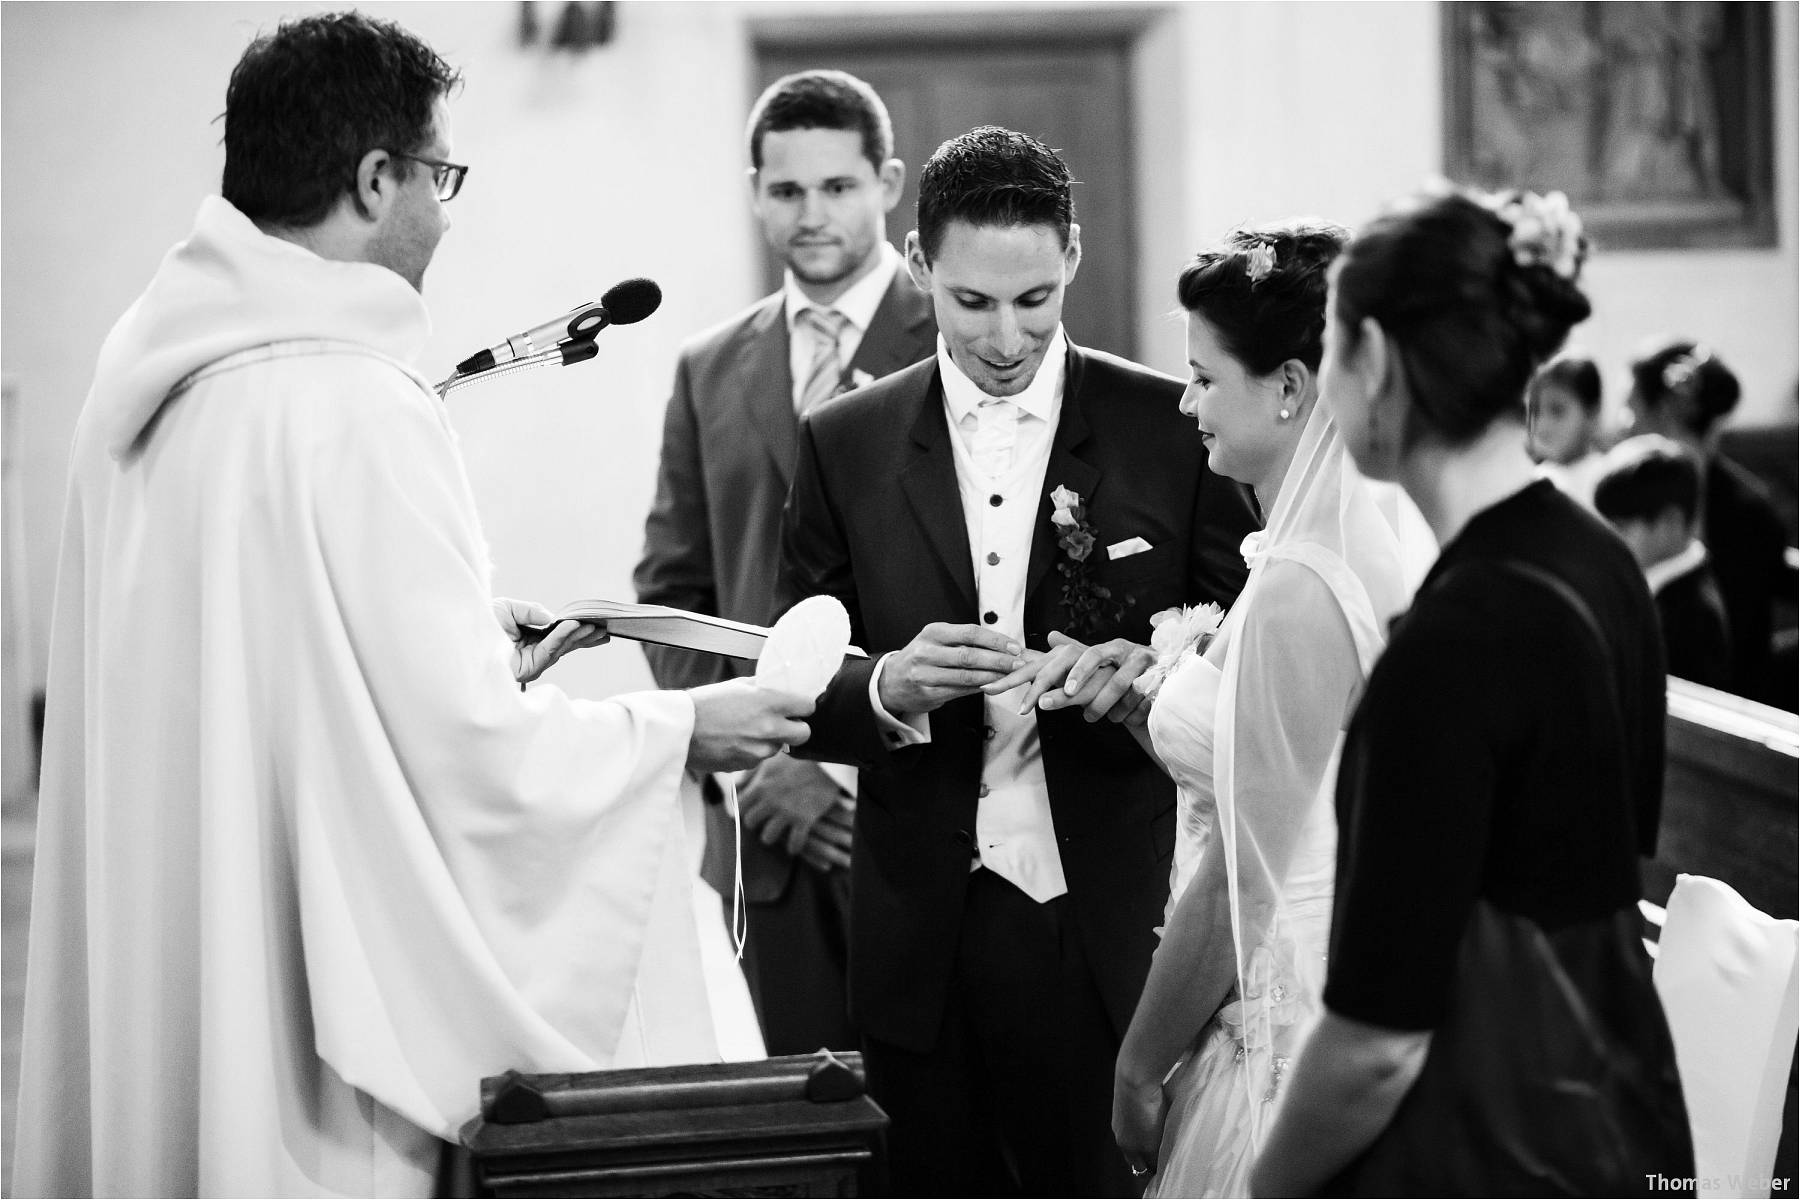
<point x="1477" y="292"/>
<point x="1263" y="290"/>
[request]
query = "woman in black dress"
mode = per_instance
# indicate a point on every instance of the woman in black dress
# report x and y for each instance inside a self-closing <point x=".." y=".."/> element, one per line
<point x="1490" y="1025"/>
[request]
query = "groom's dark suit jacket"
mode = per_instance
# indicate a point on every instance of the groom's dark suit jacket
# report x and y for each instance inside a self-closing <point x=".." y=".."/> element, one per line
<point x="875" y="518"/>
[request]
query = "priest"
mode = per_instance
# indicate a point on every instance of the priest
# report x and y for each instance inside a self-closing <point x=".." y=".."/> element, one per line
<point x="309" y="862"/>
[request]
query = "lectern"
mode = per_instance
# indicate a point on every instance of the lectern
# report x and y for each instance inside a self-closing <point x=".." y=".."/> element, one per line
<point x="801" y="1125"/>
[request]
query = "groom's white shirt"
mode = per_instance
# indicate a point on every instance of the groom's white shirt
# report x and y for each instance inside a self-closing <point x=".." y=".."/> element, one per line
<point x="1002" y="449"/>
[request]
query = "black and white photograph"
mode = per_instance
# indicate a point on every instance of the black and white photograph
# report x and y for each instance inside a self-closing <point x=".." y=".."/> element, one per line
<point x="899" y="598"/>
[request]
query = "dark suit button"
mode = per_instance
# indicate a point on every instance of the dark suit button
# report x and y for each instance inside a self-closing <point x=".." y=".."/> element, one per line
<point x="993" y="560"/>
<point x="990" y="616"/>
<point x="996" y="500"/>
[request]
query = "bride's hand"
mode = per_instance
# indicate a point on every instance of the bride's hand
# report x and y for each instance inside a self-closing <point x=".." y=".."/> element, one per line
<point x="1101" y="680"/>
<point x="1139" y="1112"/>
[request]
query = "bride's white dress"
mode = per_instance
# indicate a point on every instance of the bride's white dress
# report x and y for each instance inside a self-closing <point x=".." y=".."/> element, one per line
<point x="1222" y="1093"/>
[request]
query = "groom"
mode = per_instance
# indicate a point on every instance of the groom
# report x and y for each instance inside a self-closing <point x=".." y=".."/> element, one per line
<point x="1010" y="868"/>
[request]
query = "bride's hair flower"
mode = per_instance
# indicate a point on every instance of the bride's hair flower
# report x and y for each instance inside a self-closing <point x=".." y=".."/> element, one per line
<point x="1259" y="260"/>
<point x="1545" y="231"/>
<point x="1174" y="632"/>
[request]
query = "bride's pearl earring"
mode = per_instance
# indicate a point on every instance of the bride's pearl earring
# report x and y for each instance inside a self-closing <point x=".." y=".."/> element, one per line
<point x="1285" y="414"/>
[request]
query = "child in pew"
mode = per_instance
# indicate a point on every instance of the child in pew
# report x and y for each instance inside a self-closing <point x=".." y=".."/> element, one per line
<point x="1563" y="408"/>
<point x="1649" y="489"/>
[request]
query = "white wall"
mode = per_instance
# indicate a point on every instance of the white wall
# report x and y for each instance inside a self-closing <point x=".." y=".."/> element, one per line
<point x="627" y="161"/>
<point x="1275" y="112"/>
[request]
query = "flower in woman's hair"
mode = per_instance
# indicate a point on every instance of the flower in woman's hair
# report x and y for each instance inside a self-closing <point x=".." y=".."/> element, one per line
<point x="1681" y="372"/>
<point x="1545" y="231"/>
<point x="1173" y="633"/>
<point x="1259" y="260"/>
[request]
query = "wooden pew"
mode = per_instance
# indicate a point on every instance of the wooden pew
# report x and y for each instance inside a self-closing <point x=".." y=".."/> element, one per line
<point x="1731" y="803"/>
<point x="1730" y="791"/>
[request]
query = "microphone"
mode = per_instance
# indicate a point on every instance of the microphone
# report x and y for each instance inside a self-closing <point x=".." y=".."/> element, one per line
<point x="624" y="303"/>
<point x="631" y="300"/>
<point x="582" y="321"/>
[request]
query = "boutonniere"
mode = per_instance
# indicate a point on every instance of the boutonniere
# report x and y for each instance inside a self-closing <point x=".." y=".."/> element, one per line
<point x="1175" y="633"/>
<point x="853" y="379"/>
<point x="1090" y="604"/>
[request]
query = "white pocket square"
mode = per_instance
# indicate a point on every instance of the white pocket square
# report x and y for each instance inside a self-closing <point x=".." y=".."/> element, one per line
<point x="1126" y="548"/>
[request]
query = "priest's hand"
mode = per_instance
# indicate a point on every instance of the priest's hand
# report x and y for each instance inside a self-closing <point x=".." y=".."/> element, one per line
<point x="738" y="723"/>
<point x="535" y="644"/>
<point x="784" y="799"/>
<point x="943" y="663"/>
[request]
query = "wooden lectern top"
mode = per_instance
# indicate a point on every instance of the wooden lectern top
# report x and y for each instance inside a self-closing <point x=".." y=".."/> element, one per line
<point x="800" y="1125"/>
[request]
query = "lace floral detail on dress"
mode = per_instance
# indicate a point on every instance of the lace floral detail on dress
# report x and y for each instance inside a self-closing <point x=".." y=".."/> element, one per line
<point x="1273" y="1002"/>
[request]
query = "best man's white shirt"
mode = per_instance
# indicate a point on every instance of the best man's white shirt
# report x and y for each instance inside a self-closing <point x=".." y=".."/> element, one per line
<point x="857" y="304"/>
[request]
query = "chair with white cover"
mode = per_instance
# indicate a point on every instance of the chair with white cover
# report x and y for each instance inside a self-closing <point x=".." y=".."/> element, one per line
<point x="1726" y="974"/>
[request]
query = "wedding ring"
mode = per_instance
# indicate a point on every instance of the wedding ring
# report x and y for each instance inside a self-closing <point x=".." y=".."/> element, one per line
<point x="1139" y="1172"/>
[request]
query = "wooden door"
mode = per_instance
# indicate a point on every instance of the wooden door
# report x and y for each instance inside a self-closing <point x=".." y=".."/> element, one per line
<point x="1072" y="94"/>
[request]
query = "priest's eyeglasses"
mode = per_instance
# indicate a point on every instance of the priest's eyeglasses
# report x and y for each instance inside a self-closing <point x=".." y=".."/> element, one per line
<point x="448" y="176"/>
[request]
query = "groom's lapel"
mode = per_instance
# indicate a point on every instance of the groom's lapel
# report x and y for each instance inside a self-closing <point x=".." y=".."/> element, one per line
<point x="1067" y="468"/>
<point x="929" y="482"/>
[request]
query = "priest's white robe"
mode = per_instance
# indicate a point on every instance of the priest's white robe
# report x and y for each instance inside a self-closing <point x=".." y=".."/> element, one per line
<point x="309" y="863"/>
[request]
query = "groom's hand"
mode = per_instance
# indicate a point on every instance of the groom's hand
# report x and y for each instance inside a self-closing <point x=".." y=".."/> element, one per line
<point x="943" y="663"/>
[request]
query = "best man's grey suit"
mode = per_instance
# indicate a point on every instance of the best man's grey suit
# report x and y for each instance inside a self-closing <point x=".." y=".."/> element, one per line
<point x="712" y="544"/>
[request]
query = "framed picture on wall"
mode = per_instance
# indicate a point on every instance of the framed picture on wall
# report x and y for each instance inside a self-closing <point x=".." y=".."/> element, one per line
<point x="1656" y="119"/>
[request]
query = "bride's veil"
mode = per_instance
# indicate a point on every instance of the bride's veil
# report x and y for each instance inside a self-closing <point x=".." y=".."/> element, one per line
<point x="1280" y="722"/>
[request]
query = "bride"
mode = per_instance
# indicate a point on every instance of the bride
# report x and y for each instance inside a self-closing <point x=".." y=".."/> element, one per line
<point x="1249" y="724"/>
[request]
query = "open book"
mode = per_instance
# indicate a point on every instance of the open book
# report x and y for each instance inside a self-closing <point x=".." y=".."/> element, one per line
<point x="675" y="627"/>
